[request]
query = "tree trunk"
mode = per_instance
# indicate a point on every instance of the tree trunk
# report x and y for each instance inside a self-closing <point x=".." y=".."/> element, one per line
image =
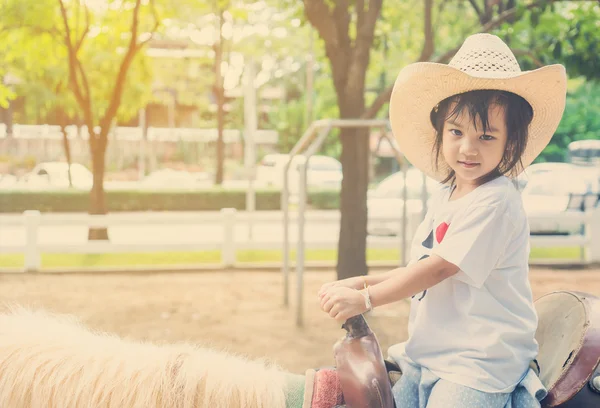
<point x="97" y="196"/>
<point x="352" y="243"/>
<point x="349" y="60"/>
<point x="66" y="145"/>
<point x="220" y="94"/>
<point x="11" y="144"/>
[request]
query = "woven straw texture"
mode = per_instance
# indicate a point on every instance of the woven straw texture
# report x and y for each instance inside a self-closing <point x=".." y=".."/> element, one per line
<point x="483" y="62"/>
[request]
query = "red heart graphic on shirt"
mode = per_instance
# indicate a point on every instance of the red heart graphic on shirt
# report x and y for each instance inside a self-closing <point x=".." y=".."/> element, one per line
<point x="440" y="231"/>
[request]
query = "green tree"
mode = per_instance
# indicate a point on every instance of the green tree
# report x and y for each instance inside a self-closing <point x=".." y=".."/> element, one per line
<point x="232" y="23"/>
<point x="581" y="120"/>
<point x="46" y="96"/>
<point x="561" y="32"/>
<point x="565" y="33"/>
<point x="101" y="46"/>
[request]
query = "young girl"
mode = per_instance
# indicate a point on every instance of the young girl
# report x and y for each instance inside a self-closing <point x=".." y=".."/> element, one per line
<point x="471" y="125"/>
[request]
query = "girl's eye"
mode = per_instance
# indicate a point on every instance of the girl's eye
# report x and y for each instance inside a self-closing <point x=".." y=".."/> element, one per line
<point x="487" y="137"/>
<point x="456" y="132"/>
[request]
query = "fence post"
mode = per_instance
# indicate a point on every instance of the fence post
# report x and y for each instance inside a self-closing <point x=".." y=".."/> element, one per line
<point x="228" y="248"/>
<point x="593" y="234"/>
<point x="33" y="259"/>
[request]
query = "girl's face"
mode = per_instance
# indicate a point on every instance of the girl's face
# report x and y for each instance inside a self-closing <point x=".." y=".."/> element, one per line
<point x="471" y="152"/>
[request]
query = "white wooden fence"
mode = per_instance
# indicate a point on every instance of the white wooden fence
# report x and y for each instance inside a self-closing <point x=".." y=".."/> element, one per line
<point x="228" y="218"/>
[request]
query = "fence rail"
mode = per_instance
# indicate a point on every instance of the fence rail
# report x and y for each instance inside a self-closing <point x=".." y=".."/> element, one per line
<point x="32" y="221"/>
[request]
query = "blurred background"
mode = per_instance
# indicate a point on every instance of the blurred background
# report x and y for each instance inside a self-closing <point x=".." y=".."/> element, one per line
<point x="188" y="108"/>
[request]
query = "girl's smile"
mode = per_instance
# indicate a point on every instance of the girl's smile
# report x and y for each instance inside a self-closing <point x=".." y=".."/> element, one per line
<point x="468" y="165"/>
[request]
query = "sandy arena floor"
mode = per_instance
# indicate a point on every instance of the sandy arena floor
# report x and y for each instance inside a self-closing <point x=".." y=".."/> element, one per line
<point x="236" y="311"/>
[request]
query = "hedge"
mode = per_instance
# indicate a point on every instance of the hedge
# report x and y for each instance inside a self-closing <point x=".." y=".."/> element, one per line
<point x="198" y="200"/>
<point x="324" y="199"/>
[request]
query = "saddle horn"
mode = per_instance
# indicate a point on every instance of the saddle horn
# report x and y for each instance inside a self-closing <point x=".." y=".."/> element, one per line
<point x="361" y="368"/>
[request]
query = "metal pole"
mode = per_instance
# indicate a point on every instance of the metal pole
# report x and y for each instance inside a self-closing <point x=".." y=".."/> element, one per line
<point x="404" y="211"/>
<point x="32" y="255"/>
<point x="286" y="211"/>
<point x="394" y="144"/>
<point x="318" y="142"/>
<point x="286" y="234"/>
<point x="250" y="122"/>
<point x="424" y="197"/>
<point x="301" y="221"/>
<point x="402" y="161"/>
<point x="313" y="146"/>
<point x="300" y="244"/>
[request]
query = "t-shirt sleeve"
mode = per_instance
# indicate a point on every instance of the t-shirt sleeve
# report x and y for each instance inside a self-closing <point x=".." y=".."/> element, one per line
<point x="475" y="242"/>
<point x="417" y="250"/>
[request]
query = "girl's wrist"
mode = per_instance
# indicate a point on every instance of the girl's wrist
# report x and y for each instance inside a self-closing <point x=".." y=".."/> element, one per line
<point x="367" y="296"/>
<point x="361" y="283"/>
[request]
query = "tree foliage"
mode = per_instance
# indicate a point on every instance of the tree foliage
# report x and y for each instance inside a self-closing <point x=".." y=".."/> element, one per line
<point x="559" y="32"/>
<point x="41" y="56"/>
<point x="581" y="120"/>
<point x="99" y="43"/>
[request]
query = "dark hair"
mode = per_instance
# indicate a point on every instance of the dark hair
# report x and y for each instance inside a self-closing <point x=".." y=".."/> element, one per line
<point x="518" y="114"/>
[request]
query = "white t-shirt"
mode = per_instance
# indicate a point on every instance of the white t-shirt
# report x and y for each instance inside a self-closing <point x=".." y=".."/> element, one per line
<point x="477" y="327"/>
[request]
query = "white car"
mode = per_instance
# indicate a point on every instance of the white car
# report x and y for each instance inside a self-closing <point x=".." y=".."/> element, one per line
<point x="8" y="181"/>
<point x="170" y="179"/>
<point x="552" y="194"/>
<point x="55" y="175"/>
<point x="541" y="168"/>
<point x="323" y="172"/>
<point x="385" y="201"/>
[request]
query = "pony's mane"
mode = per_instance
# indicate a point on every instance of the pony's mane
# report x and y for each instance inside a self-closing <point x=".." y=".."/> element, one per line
<point x="53" y="361"/>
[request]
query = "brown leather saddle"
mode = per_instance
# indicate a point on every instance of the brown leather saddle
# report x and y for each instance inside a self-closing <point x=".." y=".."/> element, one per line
<point x="568" y="361"/>
<point x="569" y="357"/>
<point x="360" y="367"/>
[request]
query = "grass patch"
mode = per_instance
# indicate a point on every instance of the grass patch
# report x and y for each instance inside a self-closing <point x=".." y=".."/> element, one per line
<point x="573" y="253"/>
<point x="208" y="257"/>
<point x="11" y="261"/>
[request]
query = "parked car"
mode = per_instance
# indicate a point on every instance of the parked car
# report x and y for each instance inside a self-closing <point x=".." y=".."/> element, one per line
<point x="56" y="175"/>
<point x="386" y="200"/>
<point x="323" y="171"/>
<point x="167" y="179"/>
<point x="541" y="168"/>
<point x="585" y="152"/>
<point x="556" y="193"/>
<point x="8" y="181"/>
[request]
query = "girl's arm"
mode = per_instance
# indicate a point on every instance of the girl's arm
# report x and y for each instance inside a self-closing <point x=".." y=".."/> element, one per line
<point x="373" y="280"/>
<point x="406" y="282"/>
<point x="358" y="282"/>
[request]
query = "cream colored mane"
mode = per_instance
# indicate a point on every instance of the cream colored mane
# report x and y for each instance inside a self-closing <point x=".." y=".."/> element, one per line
<point x="51" y="361"/>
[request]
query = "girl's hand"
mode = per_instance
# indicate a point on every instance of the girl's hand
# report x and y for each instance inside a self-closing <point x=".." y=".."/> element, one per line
<point x="355" y="282"/>
<point x="342" y="303"/>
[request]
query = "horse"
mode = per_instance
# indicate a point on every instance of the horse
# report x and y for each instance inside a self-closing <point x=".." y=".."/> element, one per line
<point x="54" y="361"/>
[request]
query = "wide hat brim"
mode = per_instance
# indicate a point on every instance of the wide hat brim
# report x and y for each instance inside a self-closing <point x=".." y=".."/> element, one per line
<point x="421" y="86"/>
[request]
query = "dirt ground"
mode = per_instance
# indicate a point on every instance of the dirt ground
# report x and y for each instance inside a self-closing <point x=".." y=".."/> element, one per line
<point x="241" y="312"/>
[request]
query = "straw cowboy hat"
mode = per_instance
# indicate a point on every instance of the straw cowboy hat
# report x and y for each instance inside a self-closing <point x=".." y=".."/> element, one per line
<point x="484" y="62"/>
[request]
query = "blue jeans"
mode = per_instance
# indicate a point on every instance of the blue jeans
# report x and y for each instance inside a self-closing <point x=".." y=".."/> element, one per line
<point x="420" y="388"/>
